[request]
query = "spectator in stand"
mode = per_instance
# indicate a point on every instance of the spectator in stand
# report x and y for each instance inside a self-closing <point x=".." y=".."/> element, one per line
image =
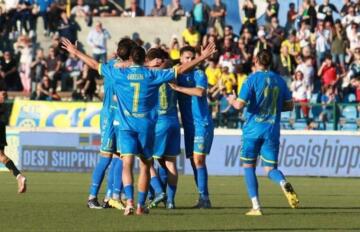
<point x="228" y="45"/>
<point x="54" y="64"/>
<point x="301" y="92"/>
<point x="67" y="27"/>
<point x="175" y="10"/>
<point x="248" y="40"/>
<point x="276" y="36"/>
<point x="327" y="9"/>
<point x="11" y="11"/>
<point x="4" y="31"/>
<point x="81" y="10"/>
<point x="45" y="92"/>
<point x="327" y="98"/>
<point x="213" y="73"/>
<point x="228" y="79"/>
<point x="309" y="15"/>
<point x="191" y="36"/>
<point x="74" y="67"/>
<point x="229" y="59"/>
<point x="323" y="41"/>
<point x="345" y="8"/>
<point x="249" y="8"/>
<point x="159" y="9"/>
<point x="105" y="9"/>
<point x="9" y="73"/>
<point x="292" y="44"/>
<point x="350" y="17"/>
<point x="23" y="47"/>
<point x="97" y="39"/>
<point x="229" y="33"/>
<point x="134" y="10"/>
<point x="86" y="85"/>
<point x="243" y="52"/>
<point x="241" y="76"/>
<point x="200" y="14"/>
<point x="353" y="70"/>
<point x="44" y="8"/>
<point x="26" y="17"/>
<point x="338" y="46"/>
<point x="217" y="16"/>
<point x="306" y="67"/>
<point x="327" y="72"/>
<point x="285" y="65"/>
<point x="291" y="17"/>
<point x="54" y="17"/>
<point x="304" y="33"/>
<point x="38" y="68"/>
<point x="272" y="10"/>
<point x="262" y="43"/>
<point x="174" y="51"/>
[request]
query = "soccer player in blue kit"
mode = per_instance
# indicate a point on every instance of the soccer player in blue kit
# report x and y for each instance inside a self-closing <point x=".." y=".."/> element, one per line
<point x="197" y="122"/>
<point x="109" y="120"/>
<point x="266" y="95"/>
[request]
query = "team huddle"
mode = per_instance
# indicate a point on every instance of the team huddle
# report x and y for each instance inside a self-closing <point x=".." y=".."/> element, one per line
<point x="139" y="118"/>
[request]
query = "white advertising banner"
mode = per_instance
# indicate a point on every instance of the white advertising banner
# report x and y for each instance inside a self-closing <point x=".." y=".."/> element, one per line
<point x="300" y="154"/>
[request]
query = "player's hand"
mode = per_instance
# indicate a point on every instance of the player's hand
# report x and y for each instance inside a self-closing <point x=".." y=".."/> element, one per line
<point x="231" y="98"/>
<point x="174" y="86"/>
<point x="208" y="50"/>
<point x="2" y="96"/>
<point x="68" y="46"/>
<point x="154" y="63"/>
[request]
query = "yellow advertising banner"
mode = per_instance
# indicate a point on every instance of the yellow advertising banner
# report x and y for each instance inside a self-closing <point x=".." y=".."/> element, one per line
<point x="26" y="113"/>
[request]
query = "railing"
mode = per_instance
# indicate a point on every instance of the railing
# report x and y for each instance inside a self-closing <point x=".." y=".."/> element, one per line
<point x="336" y="116"/>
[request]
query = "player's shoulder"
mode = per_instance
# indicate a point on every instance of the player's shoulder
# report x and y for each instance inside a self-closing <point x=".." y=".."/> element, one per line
<point x="198" y="72"/>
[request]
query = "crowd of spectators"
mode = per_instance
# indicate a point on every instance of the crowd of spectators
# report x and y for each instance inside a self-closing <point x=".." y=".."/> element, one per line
<point x="316" y="51"/>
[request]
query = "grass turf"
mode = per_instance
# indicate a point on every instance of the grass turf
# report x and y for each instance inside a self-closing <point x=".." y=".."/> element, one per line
<point x="57" y="202"/>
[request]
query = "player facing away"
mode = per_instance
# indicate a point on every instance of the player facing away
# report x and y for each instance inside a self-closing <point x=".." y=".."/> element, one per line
<point x="265" y="94"/>
<point x="109" y="120"/>
<point x="197" y="122"/>
<point x="167" y="139"/>
<point x="9" y="164"/>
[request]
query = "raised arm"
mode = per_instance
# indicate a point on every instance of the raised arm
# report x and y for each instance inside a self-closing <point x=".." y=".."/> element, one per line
<point x="72" y="49"/>
<point x="205" y="53"/>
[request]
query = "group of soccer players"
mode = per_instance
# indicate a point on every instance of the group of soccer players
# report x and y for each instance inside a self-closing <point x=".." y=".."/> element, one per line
<point x="140" y="118"/>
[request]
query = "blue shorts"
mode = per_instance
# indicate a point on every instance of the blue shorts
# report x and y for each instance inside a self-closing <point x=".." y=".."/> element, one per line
<point x="167" y="138"/>
<point x="198" y="140"/>
<point x="136" y="143"/>
<point x="108" y="130"/>
<point x="267" y="149"/>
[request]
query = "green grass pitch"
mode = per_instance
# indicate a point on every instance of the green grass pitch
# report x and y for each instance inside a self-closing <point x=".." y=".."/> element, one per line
<point x="57" y="202"/>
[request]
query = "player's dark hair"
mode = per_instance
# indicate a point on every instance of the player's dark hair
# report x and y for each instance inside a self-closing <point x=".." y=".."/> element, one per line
<point x="187" y="49"/>
<point x="124" y="48"/>
<point x="154" y="53"/>
<point x="264" y="58"/>
<point x="138" y="55"/>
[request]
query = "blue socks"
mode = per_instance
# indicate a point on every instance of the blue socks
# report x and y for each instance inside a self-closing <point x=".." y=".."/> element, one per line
<point x="110" y="180"/>
<point x="156" y="184"/>
<point x="171" y="191"/>
<point x="142" y="198"/>
<point x="276" y="176"/>
<point x="162" y="172"/>
<point x="129" y="192"/>
<point x="195" y="172"/>
<point x="98" y="175"/>
<point x="117" y="177"/>
<point x="202" y="182"/>
<point x="251" y="182"/>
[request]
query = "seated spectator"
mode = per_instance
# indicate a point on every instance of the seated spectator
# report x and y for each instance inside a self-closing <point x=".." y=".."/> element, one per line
<point x="134" y="10"/>
<point x="229" y="33"/>
<point x="159" y="9"/>
<point x="74" y="67"/>
<point x="175" y="10"/>
<point x="217" y="16"/>
<point x="38" y="68"/>
<point x="228" y="80"/>
<point x="54" y="68"/>
<point x="328" y="97"/>
<point x="301" y="92"/>
<point x="327" y="72"/>
<point x="105" y="9"/>
<point x="86" y="85"/>
<point x="191" y="36"/>
<point x="45" y="92"/>
<point x="9" y="72"/>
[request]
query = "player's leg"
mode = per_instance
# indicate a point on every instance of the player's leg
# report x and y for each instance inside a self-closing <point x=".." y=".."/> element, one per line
<point x="143" y="185"/>
<point x="116" y="179"/>
<point x="109" y="188"/>
<point x="156" y="185"/>
<point x="269" y="156"/>
<point x="189" y="135"/>
<point x="202" y="145"/>
<point x="170" y="163"/>
<point x="250" y="151"/>
<point x="9" y="164"/>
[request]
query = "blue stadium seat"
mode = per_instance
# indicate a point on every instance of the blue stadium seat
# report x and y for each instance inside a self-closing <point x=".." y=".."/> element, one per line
<point x="350" y="98"/>
<point x="314" y="98"/>
<point x="299" y="125"/>
<point x="349" y="127"/>
<point x="285" y="116"/>
<point x="350" y="113"/>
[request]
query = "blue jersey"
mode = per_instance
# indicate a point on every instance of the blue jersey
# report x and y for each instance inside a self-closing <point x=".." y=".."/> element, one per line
<point x="136" y="89"/>
<point x="166" y="107"/>
<point x="109" y="95"/>
<point x="194" y="110"/>
<point x="265" y="93"/>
